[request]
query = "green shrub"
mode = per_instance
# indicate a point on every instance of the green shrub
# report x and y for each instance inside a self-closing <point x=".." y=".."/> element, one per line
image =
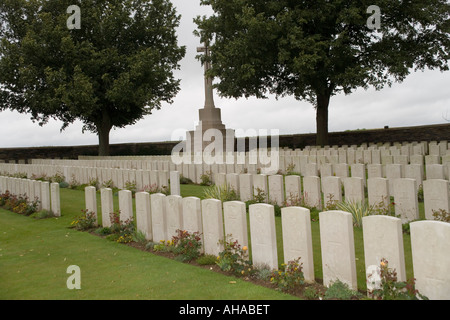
<point x="341" y="291"/>
<point x="222" y="193"/>
<point x="206" y="259"/>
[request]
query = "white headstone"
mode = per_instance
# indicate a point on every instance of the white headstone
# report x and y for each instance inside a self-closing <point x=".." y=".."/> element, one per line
<point x="435" y="171"/>
<point x="159" y="217"/>
<point x="45" y="195"/>
<point x="276" y="189"/>
<point x="378" y="192"/>
<point x="311" y="192"/>
<point x="212" y="226"/>
<point x="436" y="197"/>
<point x="192" y="215"/>
<point x="332" y="190"/>
<point x="246" y="186"/>
<point x="125" y="205"/>
<point x="297" y="240"/>
<point x="338" y="248"/>
<point x="235" y="219"/>
<point x="405" y="199"/>
<point x="293" y="188"/>
<point x="174" y="213"/>
<point x="260" y="184"/>
<point x="90" y="197"/>
<point x="383" y="239"/>
<point x="107" y="206"/>
<point x="431" y="258"/>
<point x="354" y="189"/>
<point x="55" y="199"/>
<point x="263" y="235"/>
<point x="143" y="214"/>
<point x="175" y="183"/>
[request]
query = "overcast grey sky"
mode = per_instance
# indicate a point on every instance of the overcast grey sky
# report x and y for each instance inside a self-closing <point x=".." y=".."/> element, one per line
<point x="424" y="98"/>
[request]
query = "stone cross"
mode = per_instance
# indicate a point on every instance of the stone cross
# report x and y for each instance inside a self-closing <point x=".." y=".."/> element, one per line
<point x="209" y="100"/>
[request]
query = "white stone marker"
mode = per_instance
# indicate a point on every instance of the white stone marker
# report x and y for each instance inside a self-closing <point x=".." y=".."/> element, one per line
<point x="260" y="183"/>
<point x="55" y="199"/>
<point x="192" y="215"/>
<point x="436" y="196"/>
<point x="175" y="183"/>
<point x="246" y="186"/>
<point x="235" y="220"/>
<point x="374" y="171"/>
<point x="359" y="171"/>
<point x="106" y="197"/>
<point x="311" y="169"/>
<point x="431" y="258"/>
<point x="37" y="193"/>
<point x="90" y="199"/>
<point x="414" y="171"/>
<point x="221" y="179"/>
<point x="383" y="239"/>
<point x="143" y="214"/>
<point x="311" y="192"/>
<point x="159" y="218"/>
<point x="353" y="189"/>
<point x="297" y="240"/>
<point x="212" y="226"/>
<point x="125" y="205"/>
<point x="276" y="189"/>
<point x="378" y="192"/>
<point x="435" y="171"/>
<point x="263" y="235"/>
<point x="393" y="171"/>
<point x="332" y="190"/>
<point x="405" y="199"/>
<point x="45" y="195"/>
<point x="341" y="170"/>
<point x="293" y="188"/>
<point x="174" y="213"/>
<point x="338" y="248"/>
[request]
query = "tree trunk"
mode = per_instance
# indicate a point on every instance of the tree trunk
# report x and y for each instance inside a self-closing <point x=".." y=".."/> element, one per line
<point x="103" y="129"/>
<point x="323" y="100"/>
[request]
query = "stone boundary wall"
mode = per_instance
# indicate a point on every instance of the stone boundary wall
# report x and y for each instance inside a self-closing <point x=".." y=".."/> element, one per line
<point x="356" y="137"/>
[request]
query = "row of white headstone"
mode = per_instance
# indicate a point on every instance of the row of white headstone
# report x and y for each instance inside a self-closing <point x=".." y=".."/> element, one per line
<point x="434" y="166"/>
<point x="278" y="189"/>
<point x="159" y="217"/>
<point x="195" y="171"/>
<point x="47" y="194"/>
<point x="320" y="193"/>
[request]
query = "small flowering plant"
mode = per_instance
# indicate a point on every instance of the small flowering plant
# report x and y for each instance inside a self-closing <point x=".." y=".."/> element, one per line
<point x="291" y="276"/>
<point x="234" y="258"/>
<point x="392" y="289"/>
<point x="186" y="245"/>
<point x="86" y="221"/>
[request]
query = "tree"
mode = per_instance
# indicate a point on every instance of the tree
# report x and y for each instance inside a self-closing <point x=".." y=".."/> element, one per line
<point x="109" y="66"/>
<point x="313" y="50"/>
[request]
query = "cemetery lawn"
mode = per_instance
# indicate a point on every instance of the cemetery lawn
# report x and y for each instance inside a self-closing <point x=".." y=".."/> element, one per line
<point x="35" y="254"/>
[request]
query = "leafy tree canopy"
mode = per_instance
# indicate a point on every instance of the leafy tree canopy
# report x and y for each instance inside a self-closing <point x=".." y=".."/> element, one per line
<point x="113" y="70"/>
<point x="313" y="50"/>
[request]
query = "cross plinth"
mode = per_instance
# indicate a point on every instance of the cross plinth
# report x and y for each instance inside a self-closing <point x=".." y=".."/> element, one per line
<point x="209" y="115"/>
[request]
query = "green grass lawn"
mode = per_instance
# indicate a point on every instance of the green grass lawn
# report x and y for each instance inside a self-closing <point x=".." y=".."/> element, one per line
<point x="35" y="254"/>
